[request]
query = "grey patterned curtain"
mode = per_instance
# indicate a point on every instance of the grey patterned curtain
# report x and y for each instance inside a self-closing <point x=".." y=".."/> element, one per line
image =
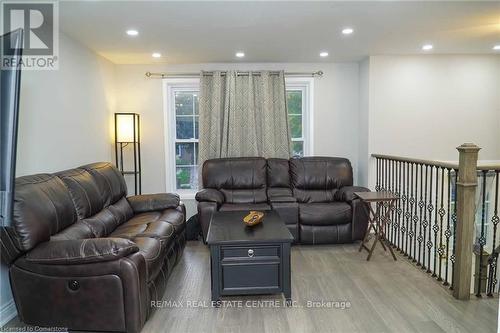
<point x="243" y="115"/>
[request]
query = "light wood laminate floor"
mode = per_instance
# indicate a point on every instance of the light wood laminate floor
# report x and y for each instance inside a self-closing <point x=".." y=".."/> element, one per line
<point x="384" y="296"/>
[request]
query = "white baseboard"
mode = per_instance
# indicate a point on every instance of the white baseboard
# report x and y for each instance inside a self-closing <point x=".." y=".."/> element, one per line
<point x="7" y="312"/>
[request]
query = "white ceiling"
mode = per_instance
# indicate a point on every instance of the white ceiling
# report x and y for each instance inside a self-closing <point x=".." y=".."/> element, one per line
<point x="195" y="32"/>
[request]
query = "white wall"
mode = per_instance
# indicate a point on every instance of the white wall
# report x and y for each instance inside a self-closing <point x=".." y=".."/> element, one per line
<point x="69" y="108"/>
<point x="65" y="118"/>
<point x="335" y="111"/>
<point x="364" y="102"/>
<point x="426" y="106"/>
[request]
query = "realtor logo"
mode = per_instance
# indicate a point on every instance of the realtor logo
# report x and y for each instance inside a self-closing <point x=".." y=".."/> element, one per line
<point x="39" y="21"/>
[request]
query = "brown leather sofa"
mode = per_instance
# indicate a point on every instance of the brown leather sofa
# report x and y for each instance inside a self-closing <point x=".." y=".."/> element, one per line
<point x="313" y="195"/>
<point x="84" y="256"/>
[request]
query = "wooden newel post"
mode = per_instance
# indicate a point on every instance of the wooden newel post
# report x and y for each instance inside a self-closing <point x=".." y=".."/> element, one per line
<point x="466" y="212"/>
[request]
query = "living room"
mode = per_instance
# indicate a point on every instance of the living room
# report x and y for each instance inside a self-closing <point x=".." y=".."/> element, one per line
<point x="154" y="130"/>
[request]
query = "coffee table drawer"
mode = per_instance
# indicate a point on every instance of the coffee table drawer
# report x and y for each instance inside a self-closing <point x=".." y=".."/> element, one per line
<point x="259" y="276"/>
<point x="239" y="252"/>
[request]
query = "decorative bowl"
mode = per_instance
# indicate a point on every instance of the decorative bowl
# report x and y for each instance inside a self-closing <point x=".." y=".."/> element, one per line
<point x="253" y="218"/>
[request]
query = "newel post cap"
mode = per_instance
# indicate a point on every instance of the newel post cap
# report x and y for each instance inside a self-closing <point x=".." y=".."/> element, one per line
<point x="468" y="148"/>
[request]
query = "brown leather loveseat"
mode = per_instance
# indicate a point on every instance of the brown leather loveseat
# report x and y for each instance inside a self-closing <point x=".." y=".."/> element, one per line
<point x="84" y="256"/>
<point x="313" y="195"/>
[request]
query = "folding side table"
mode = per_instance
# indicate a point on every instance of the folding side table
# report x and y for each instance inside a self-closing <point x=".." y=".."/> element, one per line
<point x="377" y="218"/>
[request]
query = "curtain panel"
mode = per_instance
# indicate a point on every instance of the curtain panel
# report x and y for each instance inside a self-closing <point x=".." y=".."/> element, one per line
<point x="243" y="115"/>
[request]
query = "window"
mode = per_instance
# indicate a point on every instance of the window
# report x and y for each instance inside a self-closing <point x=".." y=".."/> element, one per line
<point x="186" y="139"/>
<point x="294" y="105"/>
<point x="182" y="117"/>
<point x="182" y="130"/>
<point x="299" y="105"/>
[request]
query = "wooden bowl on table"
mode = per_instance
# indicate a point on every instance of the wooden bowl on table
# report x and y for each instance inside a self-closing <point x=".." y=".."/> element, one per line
<point x="253" y="218"/>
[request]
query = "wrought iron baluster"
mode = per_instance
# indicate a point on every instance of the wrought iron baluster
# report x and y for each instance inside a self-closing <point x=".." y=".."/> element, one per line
<point x="398" y="205"/>
<point x="410" y="209"/>
<point x="377" y="164"/>
<point x="384" y="205"/>
<point x="447" y="233"/>
<point x="424" y="220"/>
<point x="482" y="239"/>
<point x="407" y="213"/>
<point x="404" y="203"/>
<point x="454" y="225"/>
<point x="412" y="231"/>
<point x="430" y="208"/>
<point x="441" y="216"/>
<point x="421" y="205"/>
<point x="392" y="207"/>
<point x="384" y="180"/>
<point x="436" y="223"/>
<point x="492" y="281"/>
<point x="414" y="218"/>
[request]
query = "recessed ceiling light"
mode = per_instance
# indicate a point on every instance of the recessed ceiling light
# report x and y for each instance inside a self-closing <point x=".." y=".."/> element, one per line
<point x="496" y="47"/>
<point x="240" y="54"/>
<point x="323" y="54"/>
<point x="132" y="32"/>
<point x="347" y="31"/>
<point x="156" y="55"/>
<point x="427" y="47"/>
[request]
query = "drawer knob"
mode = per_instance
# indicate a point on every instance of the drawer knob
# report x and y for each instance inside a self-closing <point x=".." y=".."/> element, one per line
<point x="250" y="253"/>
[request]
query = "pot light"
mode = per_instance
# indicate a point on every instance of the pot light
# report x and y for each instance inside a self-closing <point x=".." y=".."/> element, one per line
<point x="427" y="47"/>
<point x="156" y="55"/>
<point x="347" y="31"/>
<point x="132" y="32"/>
<point x="240" y="54"/>
<point x="496" y="47"/>
<point x="323" y="54"/>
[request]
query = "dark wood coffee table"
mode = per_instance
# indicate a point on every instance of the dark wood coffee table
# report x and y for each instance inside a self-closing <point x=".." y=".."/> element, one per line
<point x="249" y="260"/>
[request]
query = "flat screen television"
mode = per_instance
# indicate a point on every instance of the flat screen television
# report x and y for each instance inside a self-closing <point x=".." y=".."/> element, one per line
<point x="10" y="83"/>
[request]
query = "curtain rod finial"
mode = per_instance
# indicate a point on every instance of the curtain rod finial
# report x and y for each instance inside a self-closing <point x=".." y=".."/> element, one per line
<point x="319" y="73"/>
<point x="148" y="74"/>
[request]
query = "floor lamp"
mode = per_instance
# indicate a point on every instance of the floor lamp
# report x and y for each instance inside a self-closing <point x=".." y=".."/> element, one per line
<point x="128" y="132"/>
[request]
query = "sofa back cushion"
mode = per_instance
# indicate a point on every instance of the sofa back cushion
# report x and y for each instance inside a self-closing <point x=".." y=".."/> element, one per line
<point x="278" y="177"/>
<point x="109" y="181"/>
<point x="42" y="207"/>
<point x="316" y="179"/>
<point x="99" y="193"/>
<point x="241" y="180"/>
<point x="84" y="192"/>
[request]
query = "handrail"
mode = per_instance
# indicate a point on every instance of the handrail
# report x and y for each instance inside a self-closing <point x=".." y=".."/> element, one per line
<point x="418" y="161"/>
<point x="447" y="165"/>
<point x="489" y="167"/>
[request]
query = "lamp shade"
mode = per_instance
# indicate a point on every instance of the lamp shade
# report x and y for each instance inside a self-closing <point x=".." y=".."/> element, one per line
<point x="126" y="127"/>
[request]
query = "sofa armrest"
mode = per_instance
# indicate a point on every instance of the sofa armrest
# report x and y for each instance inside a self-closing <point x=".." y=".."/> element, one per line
<point x="210" y="195"/>
<point x="81" y="251"/>
<point x="282" y="199"/>
<point x="153" y="202"/>
<point x="346" y="193"/>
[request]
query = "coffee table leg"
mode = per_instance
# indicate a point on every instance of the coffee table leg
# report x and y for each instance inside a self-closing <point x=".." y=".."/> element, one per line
<point x="214" y="264"/>
<point x="287" y="288"/>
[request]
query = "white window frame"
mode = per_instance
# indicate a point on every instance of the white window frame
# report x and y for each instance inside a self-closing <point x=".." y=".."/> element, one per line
<point x="306" y="85"/>
<point x="170" y="86"/>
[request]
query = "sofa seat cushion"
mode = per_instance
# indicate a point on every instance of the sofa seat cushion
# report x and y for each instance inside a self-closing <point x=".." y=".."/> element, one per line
<point x="153" y="251"/>
<point x="155" y="229"/>
<point x="325" y="213"/>
<point x="233" y="207"/>
<point x="175" y="217"/>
